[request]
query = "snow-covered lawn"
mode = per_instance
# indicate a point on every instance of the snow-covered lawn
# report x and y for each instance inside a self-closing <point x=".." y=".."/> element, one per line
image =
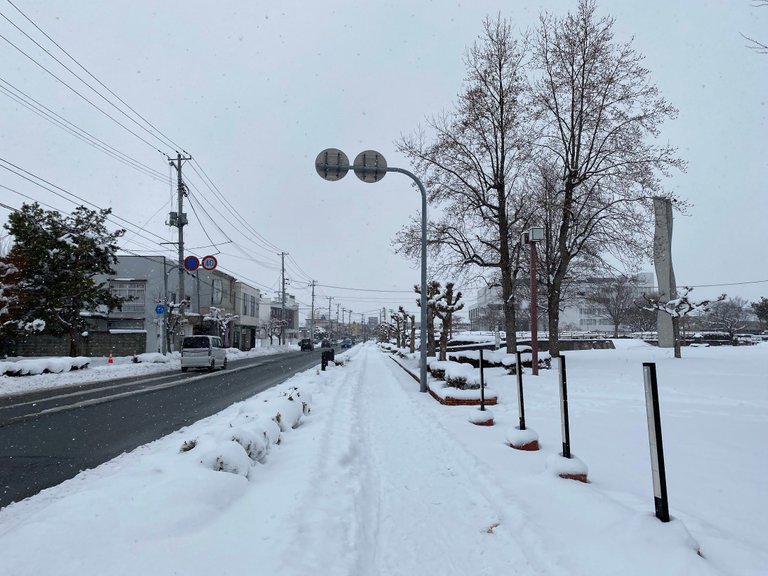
<point x="99" y="368"/>
<point x="379" y="479"/>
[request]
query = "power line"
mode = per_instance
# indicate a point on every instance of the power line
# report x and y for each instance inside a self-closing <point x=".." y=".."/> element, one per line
<point x="68" y="69"/>
<point x="107" y="114"/>
<point x="57" y="120"/>
<point x="31" y="176"/>
<point x="173" y="144"/>
<point x="367" y="289"/>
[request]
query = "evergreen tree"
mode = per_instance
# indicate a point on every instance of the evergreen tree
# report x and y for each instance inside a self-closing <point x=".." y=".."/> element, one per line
<point x="761" y="311"/>
<point x="56" y="259"/>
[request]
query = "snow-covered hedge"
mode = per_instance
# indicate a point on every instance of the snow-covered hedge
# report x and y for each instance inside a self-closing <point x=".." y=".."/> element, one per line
<point x="245" y="442"/>
<point x="152" y="357"/>
<point x="43" y="366"/>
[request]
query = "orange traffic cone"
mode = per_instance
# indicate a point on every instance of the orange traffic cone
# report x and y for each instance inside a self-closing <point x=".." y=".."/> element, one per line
<point x="110" y="361"/>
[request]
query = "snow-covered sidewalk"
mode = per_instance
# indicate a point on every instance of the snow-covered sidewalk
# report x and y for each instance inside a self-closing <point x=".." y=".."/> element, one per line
<point x="379" y="479"/>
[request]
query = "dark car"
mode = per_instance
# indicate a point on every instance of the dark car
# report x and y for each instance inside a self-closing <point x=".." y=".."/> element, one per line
<point x="325" y="344"/>
<point x="306" y="344"/>
<point x="346" y="343"/>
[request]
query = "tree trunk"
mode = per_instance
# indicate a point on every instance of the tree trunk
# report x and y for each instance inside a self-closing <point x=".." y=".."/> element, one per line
<point x="72" y="343"/>
<point x="676" y="335"/>
<point x="431" y="331"/>
<point x="413" y="334"/>
<point x="443" y="340"/>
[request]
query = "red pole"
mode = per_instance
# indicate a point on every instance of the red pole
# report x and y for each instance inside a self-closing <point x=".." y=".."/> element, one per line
<point x="534" y="327"/>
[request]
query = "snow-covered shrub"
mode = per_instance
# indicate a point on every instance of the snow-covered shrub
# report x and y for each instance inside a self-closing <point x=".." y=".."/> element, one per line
<point x="255" y="444"/>
<point x="289" y="412"/>
<point x="510" y="362"/>
<point x="491" y="358"/>
<point x="227" y="457"/>
<point x="305" y="398"/>
<point x="437" y="368"/>
<point x="462" y="376"/>
<point x="151" y="357"/>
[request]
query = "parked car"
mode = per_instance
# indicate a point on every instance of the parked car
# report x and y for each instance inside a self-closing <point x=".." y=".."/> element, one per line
<point x="346" y="343"/>
<point x="325" y="344"/>
<point x="206" y="352"/>
<point x="306" y="344"/>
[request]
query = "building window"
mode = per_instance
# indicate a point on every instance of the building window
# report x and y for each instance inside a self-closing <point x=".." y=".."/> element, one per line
<point x="254" y="311"/>
<point x="133" y="292"/>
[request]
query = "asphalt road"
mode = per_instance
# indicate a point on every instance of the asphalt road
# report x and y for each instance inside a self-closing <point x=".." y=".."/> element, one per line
<point x="48" y="437"/>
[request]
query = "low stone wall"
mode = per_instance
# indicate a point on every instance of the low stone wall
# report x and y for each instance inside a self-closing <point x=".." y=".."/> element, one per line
<point x="96" y="344"/>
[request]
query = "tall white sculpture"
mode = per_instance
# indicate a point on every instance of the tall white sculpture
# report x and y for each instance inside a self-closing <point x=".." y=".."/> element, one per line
<point x="665" y="274"/>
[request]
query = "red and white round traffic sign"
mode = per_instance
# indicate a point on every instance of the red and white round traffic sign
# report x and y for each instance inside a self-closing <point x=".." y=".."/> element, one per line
<point x="209" y="262"/>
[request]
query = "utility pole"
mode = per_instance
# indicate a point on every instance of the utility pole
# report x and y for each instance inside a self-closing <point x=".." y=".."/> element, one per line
<point x="312" y="314"/>
<point x="329" y="315"/>
<point x="343" y="313"/>
<point x="179" y="219"/>
<point x="337" y="316"/>
<point x="282" y="310"/>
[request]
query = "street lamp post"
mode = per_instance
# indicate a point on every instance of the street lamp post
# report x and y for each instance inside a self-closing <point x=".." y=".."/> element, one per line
<point x="370" y="166"/>
<point x="533" y="235"/>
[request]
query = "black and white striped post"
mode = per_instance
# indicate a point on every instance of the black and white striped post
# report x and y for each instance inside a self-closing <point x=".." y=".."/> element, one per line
<point x="520" y="401"/>
<point x="564" y="410"/>
<point x="654" y="439"/>
<point x="482" y="383"/>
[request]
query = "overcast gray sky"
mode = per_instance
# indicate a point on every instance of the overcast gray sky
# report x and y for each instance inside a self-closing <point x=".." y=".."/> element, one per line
<point x="254" y="90"/>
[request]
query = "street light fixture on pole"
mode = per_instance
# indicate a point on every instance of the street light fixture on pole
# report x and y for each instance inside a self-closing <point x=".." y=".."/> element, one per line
<point x="370" y="166"/>
<point x="533" y="235"/>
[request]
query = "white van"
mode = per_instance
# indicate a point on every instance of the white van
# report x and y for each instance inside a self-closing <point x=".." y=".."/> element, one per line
<point x="203" y="352"/>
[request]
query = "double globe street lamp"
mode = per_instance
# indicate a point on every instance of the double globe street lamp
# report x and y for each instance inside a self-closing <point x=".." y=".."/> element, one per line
<point x="370" y="166"/>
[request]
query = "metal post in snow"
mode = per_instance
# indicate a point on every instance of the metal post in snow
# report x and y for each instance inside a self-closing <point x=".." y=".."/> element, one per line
<point x="520" y="402"/>
<point x="654" y="439"/>
<point x="482" y="383"/>
<point x="564" y="410"/>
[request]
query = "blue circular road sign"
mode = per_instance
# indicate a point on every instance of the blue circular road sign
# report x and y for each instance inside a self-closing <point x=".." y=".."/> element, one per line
<point x="159" y="309"/>
<point x="191" y="263"/>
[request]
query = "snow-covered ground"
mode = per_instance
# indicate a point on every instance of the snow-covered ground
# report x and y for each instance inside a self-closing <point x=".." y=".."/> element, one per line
<point x="379" y="479"/>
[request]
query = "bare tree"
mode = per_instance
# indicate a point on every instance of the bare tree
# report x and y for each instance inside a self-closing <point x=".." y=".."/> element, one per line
<point x="472" y="166"/>
<point x="274" y="329"/>
<point x="615" y="298"/>
<point x="599" y="113"/>
<point x="728" y="315"/>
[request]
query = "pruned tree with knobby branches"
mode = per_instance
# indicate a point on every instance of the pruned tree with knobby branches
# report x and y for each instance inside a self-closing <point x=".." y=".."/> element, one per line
<point x="447" y="303"/>
<point x="679" y="307"/>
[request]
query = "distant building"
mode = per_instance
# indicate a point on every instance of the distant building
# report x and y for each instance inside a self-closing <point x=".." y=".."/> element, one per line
<point x="579" y="314"/>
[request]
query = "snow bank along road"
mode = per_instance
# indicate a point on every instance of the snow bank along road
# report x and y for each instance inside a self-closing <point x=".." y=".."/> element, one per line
<point x="48" y="437"/>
